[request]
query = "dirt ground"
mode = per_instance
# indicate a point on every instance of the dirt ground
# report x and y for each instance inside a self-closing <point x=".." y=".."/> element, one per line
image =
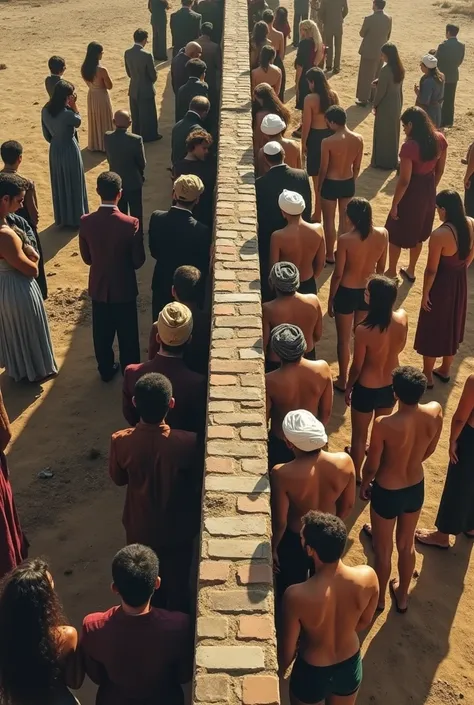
<point x="65" y="424"/>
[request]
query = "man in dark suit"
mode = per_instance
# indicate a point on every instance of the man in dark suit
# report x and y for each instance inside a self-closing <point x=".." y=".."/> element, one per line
<point x="212" y="12"/>
<point x="126" y="157"/>
<point x="179" y="72"/>
<point x="57" y="67"/>
<point x="159" y="22"/>
<point x="300" y="13"/>
<point x="111" y="243"/>
<point x="177" y="238"/>
<point x="185" y="26"/>
<point x="268" y="189"/>
<point x="194" y="86"/>
<point x="450" y="55"/>
<point x="212" y="57"/>
<point x="141" y="70"/>
<point x="195" y="117"/>
<point x="200" y="162"/>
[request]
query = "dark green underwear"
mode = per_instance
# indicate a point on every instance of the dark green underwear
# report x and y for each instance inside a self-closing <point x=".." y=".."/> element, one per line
<point x="312" y="684"/>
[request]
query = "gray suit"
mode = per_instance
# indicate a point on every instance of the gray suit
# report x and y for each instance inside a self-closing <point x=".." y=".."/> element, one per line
<point x="140" y="69"/>
<point x="126" y="156"/>
<point x="450" y="55"/>
<point x="331" y="16"/>
<point x="376" y="30"/>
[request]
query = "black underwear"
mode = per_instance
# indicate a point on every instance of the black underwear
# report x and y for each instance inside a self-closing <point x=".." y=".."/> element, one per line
<point x="349" y="300"/>
<point x="390" y="504"/>
<point x="334" y="189"/>
<point x="368" y="399"/>
<point x="308" y="287"/>
<point x="313" y="684"/>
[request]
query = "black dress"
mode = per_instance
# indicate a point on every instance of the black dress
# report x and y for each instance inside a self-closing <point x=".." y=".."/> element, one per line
<point x="305" y="58"/>
<point x="456" y="509"/>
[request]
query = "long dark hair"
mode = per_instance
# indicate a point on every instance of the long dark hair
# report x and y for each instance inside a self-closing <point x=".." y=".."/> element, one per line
<point x="91" y="62"/>
<point x="259" y="34"/>
<point x="452" y="203"/>
<point x="423" y="132"/>
<point x="321" y="88"/>
<point x="62" y="91"/>
<point x="30" y="614"/>
<point x="436" y="74"/>
<point x="270" y="102"/>
<point x="393" y="60"/>
<point x="281" y="15"/>
<point x="359" y="212"/>
<point x="267" y="56"/>
<point x="382" y="297"/>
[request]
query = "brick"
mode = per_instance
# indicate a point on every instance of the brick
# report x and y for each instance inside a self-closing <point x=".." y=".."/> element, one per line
<point x="221" y="432"/>
<point x="260" y="690"/>
<point x="224" y="406"/>
<point x="223" y="333"/>
<point x="230" y="658"/>
<point x="250" y="353"/>
<point x="224" y="275"/>
<point x="248" y="276"/>
<point x="225" y="353"/>
<point x="218" y="379"/>
<point x="237" y="343"/>
<point x="224" y="310"/>
<point x="255" y="573"/>
<point x="239" y="321"/>
<point x="212" y="689"/>
<point x="238" y="548"/>
<point x="236" y="366"/>
<point x="236" y="393"/>
<point x="225" y="286"/>
<point x="250" y="380"/>
<point x="251" y="404"/>
<point x="237" y="298"/>
<point x="236" y="449"/>
<point x="239" y="484"/>
<point x="221" y="465"/>
<point x="255" y="433"/>
<point x="255" y="627"/>
<point x="243" y="600"/>
<point x="235" y="526"/>
<point x="214" y="571"/>
<point x="212" y="627"/>
<point x="259" y="505"/>
<point x="236" y="419"/>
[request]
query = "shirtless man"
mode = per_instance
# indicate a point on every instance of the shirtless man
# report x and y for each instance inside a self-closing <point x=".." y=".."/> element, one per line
<point x="274" y="37"/>
<point x="316" y="479"/>
<point x="378" y="341"/>
<point x="398" y="446"/>
<point x="274" y="127"/>
<point x="360" y="252"/>
<point x="297" y="384"/>
<point x="341" y="155"/>
<point x="299" y="242"/>
<point x="302" y="310"/>
<point x="322" y="616"/>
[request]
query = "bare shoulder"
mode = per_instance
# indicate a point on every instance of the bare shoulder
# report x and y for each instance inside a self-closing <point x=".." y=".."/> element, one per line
<point x="292" y="597"/>
<point x="341" y="459"/>
<point x="401" y="316"/>
<point x="365" y="576"/>
<point x="382" y="233"/>
<point x="322" y="367"/>
<point x="433" y="408"/>
<point x="68" y="638"/>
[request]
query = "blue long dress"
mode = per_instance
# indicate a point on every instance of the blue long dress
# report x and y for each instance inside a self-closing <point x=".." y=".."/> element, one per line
<point x="68" y="184"/>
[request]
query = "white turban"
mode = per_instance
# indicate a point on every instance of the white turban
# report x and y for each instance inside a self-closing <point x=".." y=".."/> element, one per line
<point x="272" y="148"/>
<point x="430" y="61"/>
<point x="303" y="430"/>
<point x="272" y="125"/>
<point x="291" y="202"/>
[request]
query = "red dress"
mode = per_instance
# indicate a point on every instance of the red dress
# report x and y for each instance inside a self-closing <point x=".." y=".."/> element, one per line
<point x="417" y="208"/>
<point x="13" y="543"/>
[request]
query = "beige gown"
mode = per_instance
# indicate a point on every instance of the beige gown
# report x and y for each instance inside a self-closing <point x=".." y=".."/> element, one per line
<point x="99" y="114"/>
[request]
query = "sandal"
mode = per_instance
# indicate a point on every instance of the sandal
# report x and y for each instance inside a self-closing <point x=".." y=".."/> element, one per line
<point x="441" y="377"/>
<point x="407" y="276"/>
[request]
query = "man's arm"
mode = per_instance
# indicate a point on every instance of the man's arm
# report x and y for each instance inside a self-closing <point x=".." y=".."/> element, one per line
<point x="140" y="158"/>
<point x="308" y="200"/>
<point x="382" y="261"/>
<point x="324" y="164"/>
<point x="432" y="446"/>
<point x="117" y="474"/>
<point x="138" y="248"/>
<point x="360" y="348"/>
<point x="358" y="160"/>
<point x="280" y="506"/>
<point x="374" y="457"/>
<point x="5" y="428"/>
<point x="326" y="400"/>
<point x="372" y="590"/>
<point x="31" y="204"/>
<point x="153" y="236"/>
<point x="345" y="9"/>
<point x="84" y="248"/>
<point x="336" y="275"/>
<point x="128" y="409"/>
<point x="389" y="28"/>
<point x="274" y="250"/>
<point x="151" y="69"/>
<point x="346" y="501"/>
<point x="365" y="27"/>
<point x="320" y="258"/>
<point x="126" y="65"/>
<point x="93" y="668"/>
<point x="290" y="631"/>
<point x="266" y="328"/>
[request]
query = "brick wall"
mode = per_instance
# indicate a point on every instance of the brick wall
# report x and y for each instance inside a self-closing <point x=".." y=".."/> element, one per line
<point x="235" y="658"/>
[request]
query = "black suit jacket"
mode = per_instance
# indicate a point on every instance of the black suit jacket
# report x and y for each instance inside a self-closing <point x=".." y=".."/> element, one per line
<point x="126" y="156"/>
<point x="176" y="238"/>
<point x="179" y="133"/>
<point x="179" y="73"/>
<point x="212" y="11"/>
<point x="186" y="93"/>
<point x="450" y="55"/>
<point x="185" y="25"/>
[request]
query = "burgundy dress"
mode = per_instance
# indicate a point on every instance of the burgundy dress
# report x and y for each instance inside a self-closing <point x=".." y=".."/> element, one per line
<point x="441" y="330"/>
<point x="417" y="208"/>
<point x="13" y="543"/>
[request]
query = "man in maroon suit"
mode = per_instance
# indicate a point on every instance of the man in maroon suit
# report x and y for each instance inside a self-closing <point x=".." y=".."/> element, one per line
<point x="112" y="244"/>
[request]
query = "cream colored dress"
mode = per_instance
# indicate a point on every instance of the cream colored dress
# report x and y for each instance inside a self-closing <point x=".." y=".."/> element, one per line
<point x="99" y="114"/>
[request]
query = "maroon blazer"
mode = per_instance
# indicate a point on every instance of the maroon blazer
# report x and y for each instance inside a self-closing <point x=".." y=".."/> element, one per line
<point x="111" y="243"/>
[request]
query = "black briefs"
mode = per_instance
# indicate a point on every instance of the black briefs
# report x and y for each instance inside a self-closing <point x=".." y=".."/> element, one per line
<point x="334" y="189"/>
<point x="368" y="399"/>
<point x="390" y="504"/>
<point x="308" y="287"/>
<point x="313" y="684"/>
<point x="349" y="300"/>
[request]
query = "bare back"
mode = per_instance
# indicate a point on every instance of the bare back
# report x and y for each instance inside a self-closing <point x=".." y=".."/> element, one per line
<point x="345" y="149"/>
<point x="312" y="103"/>
<point x="362" y="256"/>
<point x="272" y="76"/>
<point x="302" y="310"/>
<point x="382" y="350"/>
<point x="298" y="243"/>
<point x="277" y="40"/>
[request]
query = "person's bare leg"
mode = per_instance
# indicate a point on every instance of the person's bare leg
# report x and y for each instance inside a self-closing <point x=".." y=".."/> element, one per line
<point x="405" y="537"/>
<point x="295" y="701"/>
<point x="329" y="215"/>
<point x="414" y="255"/>
<point x="343" y="225"/>
<point x="393" y="257"/>
<point x="360" y="423"/>
<point x="342" y="699"/>
<point x="432" y="537"/>
<point x="316" y="216"/>
<point x="382" y="542"/>
<point x="344" y="330"/>
<point x="428" y="364"/>
<point x="445" y="368"/>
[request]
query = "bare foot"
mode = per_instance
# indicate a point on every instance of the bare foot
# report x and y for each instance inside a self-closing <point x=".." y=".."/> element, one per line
<point x="339" y="384"/>
<point x="432" y="538"/>
<point x="401" y="601"/>
<point x="367" y="529"/>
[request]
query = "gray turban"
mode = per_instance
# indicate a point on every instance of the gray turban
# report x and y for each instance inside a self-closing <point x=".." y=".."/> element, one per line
<point x="285" y="277"/>
<point x="288" y="342"/>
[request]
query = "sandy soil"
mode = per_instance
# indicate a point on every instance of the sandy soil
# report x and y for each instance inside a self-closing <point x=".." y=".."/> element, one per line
<point x="74" y="518"/>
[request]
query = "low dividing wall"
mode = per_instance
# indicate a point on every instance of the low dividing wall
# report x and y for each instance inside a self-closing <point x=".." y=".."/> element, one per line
<point x="235" y="659"/>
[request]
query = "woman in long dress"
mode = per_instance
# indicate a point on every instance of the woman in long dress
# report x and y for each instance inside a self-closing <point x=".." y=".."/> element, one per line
<point x="60" y="118"/>
<point x="99" y="107"/>
<point x="422" y="162"/>
<point x="39" y="654"/>
<point x="388" y="103"/>
<point x="469" y="182"/>
<point x="442" y="317"/>
<point x="430" y="91"/>
<point x="310" y="53"/>
<point x="265" y="102"/>
<point x="456" y="508"/>
<point x="25" y="343"/>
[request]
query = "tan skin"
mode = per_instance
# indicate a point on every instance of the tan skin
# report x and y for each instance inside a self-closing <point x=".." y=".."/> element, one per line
<point x="341" y="156"/>
<point x="277" y="40"/>
<point x="272" y="75"/>
<point x="302" y="310"/>
<point x="292" y="154"/>
<point x="399" y="444"/>
<point x="469" y="161"/>
<point x="376" y="355"/>
<point x="302" y="244"/>
<point x="404" y="177"/>
<point x="314" y="119"/>
<point x="463" y="415"/>
<point x="442" y="243"/>
<point x="102" y="76"/>
<point x="298" y="385"/>
<point x="23" y="258"/>
<point x="356" y="260"/>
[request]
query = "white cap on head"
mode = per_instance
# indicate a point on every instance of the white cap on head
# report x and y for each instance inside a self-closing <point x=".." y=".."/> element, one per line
<point x="291" y="202"/>
<point x="272" y="125"/>
<point x="430" y="61"/>
<point x="304" y="431"/>
<point x="272" y="148"/>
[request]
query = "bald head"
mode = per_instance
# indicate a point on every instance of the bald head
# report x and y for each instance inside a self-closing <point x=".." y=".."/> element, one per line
<point x="122" y="118"/>
<point x="193" y="50"/>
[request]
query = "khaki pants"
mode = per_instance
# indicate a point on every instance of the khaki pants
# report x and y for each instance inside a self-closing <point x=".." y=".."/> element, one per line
<point x="369" y="70"/>
<point x="333" y="42"/>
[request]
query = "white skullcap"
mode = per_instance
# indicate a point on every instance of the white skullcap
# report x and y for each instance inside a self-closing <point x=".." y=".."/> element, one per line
<point x="430" y="61"/>
<point x="272" y="148"/>
<point x="272" y="125"/>
<point x="291" y="202"/>
<point x="303" y="430"/>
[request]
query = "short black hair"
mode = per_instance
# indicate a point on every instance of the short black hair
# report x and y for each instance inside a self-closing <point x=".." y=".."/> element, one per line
<point x="135" y="569"/>
<point x="326" y="534"/>
<point x="409" y="384"/>
<point x="207" y="28"/>
<point x="380" y="4"/>
<point x="108" y="185"/>
<point x="152" y="394"/>
<point x="198" y="136"/>
<point x="277" y="158"/>
<point x="200" y="104"/>
<point x="11" y="185"/>
<point x="196" y="68"/>
<point x="187" y="3"/>
<point x="186" y="282"/>
<point x="140" y="35"/>
<point x="11" y="151"/>
<point x="452" y="29"/>
<point x="56" y="64"/>
<point x="336" y="114"/>
<point x="268" y="16"/>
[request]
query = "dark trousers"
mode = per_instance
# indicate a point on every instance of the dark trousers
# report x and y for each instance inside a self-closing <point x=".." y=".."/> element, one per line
<point x="144" y="118"/>
<point x="110" y="319"/>
<point x="447" y="111"/>
<point x="131" y="203"/>
<point x="159" y="301"/>
<point x="159" y="38"/>
<point x="300" y="14"/>
<point x="175" y="569"/>
<point x="333" y="42"/>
